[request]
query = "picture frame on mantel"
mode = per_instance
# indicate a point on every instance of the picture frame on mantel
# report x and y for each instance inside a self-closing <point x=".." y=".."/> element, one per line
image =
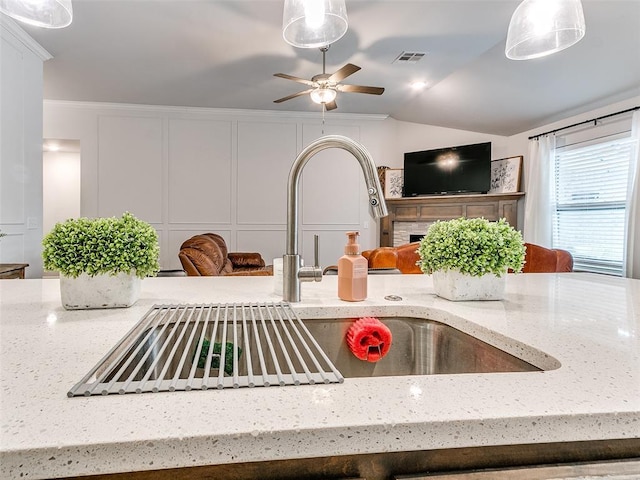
<point x="505" y="175"/>
<point x="393" y="183"/>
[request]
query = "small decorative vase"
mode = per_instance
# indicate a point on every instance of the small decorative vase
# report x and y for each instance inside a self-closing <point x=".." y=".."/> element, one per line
<point x="100" y="291"/>
<point x="456" y="286"/>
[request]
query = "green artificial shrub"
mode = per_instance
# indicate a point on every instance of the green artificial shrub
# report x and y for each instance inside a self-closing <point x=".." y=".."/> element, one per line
<point x="473" y="246"/>
<point x="102" y="245"/>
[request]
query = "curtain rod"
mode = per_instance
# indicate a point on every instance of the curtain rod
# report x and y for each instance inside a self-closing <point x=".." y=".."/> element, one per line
<point x="586" y="121"/>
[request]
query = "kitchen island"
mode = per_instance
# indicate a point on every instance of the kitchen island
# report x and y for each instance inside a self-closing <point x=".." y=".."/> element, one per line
<point x="581" y="330"/>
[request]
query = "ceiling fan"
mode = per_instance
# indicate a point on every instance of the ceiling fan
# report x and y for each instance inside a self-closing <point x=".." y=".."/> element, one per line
<point x="325" y="87"/>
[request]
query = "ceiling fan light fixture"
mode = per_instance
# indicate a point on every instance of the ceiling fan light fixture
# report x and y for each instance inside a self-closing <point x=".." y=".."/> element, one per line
<point x="323" y="95"/>
<point x="40" y="13"/>
<point x="313" y="23"/>
<point x="543" y="27"/>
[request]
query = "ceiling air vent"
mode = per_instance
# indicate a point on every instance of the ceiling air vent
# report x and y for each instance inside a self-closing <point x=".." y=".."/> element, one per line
<point x="409" y="57"/>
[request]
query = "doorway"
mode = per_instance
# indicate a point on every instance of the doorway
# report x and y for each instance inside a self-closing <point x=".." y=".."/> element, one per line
<point x="60" y="183"/>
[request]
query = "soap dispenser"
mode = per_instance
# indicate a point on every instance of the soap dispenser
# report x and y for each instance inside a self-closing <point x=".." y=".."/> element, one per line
<point x="352" y="271"/>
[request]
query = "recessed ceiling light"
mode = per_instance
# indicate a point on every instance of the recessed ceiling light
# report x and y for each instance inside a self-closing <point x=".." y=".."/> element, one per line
<point x="419" y="85"/>
<point x="52" y="147"/>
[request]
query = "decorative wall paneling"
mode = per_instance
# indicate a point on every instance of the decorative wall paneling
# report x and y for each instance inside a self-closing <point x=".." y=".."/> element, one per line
<point x="189" y="171"/>
<point x="130" y="167"/>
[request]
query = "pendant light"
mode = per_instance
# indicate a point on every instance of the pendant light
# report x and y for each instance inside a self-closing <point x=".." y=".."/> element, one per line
<point x="543" y="27"/>
<point x="313" y="23"/>
<point x="41" y="13"/>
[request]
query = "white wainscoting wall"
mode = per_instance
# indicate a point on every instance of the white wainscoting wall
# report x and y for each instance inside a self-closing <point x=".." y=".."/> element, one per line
<point x="189" y="171"/>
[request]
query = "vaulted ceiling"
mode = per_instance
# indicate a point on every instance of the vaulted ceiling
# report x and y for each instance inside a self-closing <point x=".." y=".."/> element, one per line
<point x="219" y="53"/>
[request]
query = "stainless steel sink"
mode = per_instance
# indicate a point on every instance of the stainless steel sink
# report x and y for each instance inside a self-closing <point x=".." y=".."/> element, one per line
<point x="419" y="347"/>
<point x="186" y="347"/>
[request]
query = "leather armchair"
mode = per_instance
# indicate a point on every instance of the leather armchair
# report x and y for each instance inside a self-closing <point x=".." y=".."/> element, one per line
<point x="383" y="257"/>
<point x="207" y="255"/>
<point x="403" y="258"/>
<point x="546" y="260"/>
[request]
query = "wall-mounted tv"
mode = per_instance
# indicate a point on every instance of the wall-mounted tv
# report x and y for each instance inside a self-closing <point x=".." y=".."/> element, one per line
<point x="448" y="171"/>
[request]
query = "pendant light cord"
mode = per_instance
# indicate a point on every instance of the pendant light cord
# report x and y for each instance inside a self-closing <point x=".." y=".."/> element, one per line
<point x="324" y="108"/>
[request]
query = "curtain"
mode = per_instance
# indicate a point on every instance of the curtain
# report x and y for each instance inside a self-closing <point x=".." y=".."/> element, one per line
<point x="540" y="189"/>
<point x="632" y="231"/>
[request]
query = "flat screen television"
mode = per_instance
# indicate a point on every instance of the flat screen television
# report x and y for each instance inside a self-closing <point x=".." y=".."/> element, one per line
<point x="448" y="171"/>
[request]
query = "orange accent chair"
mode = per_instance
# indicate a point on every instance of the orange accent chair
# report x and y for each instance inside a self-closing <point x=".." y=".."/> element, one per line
<point x="207" y="255"/>
<point x="537" y="259"/>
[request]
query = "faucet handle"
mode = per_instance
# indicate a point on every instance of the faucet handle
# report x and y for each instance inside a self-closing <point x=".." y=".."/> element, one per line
<point x="312" y="274"/>
<point x="316" y="261"/>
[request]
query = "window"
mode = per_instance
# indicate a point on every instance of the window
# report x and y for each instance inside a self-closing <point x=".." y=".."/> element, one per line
<point x="591" y="192"/>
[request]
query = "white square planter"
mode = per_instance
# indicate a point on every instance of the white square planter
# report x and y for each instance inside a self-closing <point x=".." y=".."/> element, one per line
<point x="100" y="291"/>
<point x="456" y="286"/>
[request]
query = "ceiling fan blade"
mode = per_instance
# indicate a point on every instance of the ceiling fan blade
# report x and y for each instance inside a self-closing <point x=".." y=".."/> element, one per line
<point x="289" y="97"/>
<point x="330" y="106"/>
<point x="295" y="79"/>
<point x="360" y="89"/>
<point x="344" y="72"/>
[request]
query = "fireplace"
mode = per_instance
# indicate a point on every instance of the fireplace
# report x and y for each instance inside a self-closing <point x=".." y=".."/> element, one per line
<point x="410" y="218"/>
<point x="407" y="232"/>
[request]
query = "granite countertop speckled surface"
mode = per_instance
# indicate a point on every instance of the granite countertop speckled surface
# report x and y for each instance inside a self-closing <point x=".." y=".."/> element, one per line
<point x="589" y="324"/>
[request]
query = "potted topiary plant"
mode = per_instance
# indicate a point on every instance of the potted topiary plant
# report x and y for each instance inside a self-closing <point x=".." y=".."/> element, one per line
<point x="101" y="260"/>
<point x="469" y="257"/>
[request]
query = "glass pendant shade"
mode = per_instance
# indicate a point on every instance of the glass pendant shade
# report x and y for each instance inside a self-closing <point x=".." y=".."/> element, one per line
<point x="543" y="27"/>
<point x="323" y="95"/>
<point x="41" y="13"/>
<point x="313" y="23"/>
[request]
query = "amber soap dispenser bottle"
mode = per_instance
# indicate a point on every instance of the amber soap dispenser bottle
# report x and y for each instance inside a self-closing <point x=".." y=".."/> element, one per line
<point x="352" y="271"/>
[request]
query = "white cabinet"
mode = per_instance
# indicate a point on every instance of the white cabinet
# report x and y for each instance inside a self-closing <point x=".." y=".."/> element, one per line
<point x="21" y="60"/>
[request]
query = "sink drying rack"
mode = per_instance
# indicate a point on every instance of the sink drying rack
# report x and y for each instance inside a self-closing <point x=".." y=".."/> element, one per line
<point x="190" y="347"/>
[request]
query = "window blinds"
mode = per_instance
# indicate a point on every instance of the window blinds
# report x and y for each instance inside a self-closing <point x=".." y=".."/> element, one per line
<point x="591" y="192"/>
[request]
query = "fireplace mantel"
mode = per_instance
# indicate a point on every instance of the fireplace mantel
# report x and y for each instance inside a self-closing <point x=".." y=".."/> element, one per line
<point x="423" y="211"/>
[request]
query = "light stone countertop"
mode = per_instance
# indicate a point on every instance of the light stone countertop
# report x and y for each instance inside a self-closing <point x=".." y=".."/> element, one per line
<point x="590" y="324"/>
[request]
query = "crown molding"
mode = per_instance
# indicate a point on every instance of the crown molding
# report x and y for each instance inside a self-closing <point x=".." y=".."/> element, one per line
<point x="226" y="112"/>
<point x="9" y="25"/>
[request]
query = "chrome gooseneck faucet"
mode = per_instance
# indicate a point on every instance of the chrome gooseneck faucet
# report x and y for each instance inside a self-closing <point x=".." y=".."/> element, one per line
<point x="293" y="272"/>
